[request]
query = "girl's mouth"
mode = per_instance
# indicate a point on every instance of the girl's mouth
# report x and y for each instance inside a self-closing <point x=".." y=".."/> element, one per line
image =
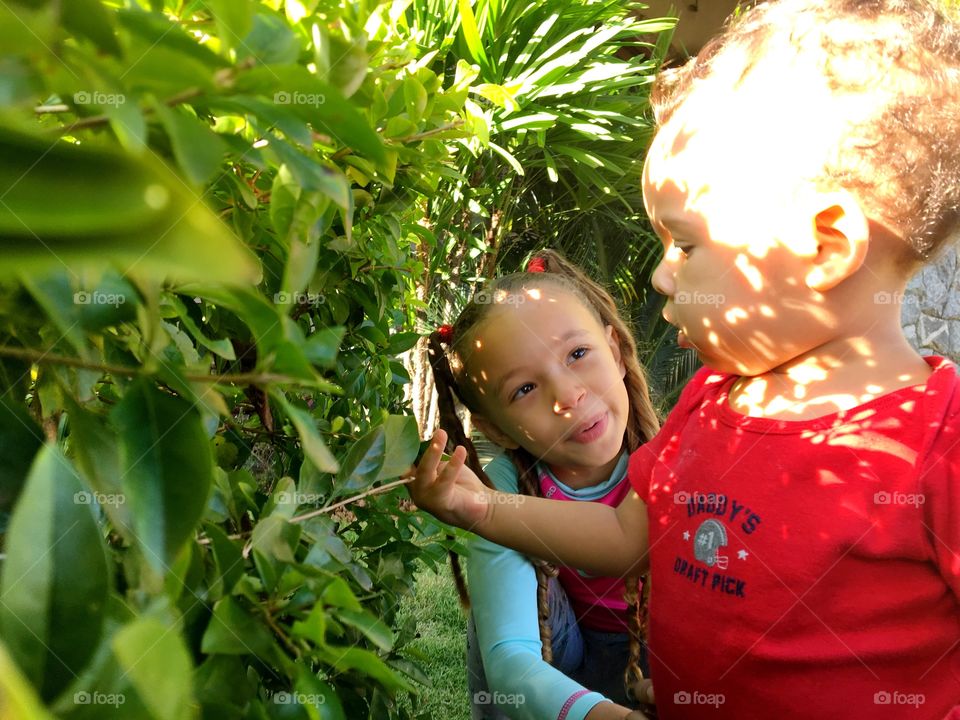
<point x="590" y="430"/>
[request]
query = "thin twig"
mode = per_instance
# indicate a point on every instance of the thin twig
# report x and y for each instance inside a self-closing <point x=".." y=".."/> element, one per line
<point x="321" y="511"/>
<point x="42" y="357"/>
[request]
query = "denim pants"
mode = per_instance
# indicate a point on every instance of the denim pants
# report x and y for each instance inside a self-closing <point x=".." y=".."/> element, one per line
<point x="594" y="659"/>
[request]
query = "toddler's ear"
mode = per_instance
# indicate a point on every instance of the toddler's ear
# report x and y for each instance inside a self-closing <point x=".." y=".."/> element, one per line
<point x="493" y="433"/>
<point x="842" y="234"/>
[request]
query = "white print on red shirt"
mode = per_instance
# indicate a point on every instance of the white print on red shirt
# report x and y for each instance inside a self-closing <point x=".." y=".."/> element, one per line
<point x="710" y="539"/>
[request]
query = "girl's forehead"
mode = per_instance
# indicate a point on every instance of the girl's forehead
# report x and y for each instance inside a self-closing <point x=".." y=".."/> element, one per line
<point x="529" y="320"/>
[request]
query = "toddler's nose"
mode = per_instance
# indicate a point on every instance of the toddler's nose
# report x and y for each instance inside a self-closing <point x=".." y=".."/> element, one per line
<point x="662" y="279"/>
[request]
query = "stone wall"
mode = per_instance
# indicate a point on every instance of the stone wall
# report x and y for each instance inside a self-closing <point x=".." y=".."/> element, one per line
<point x="931" y="308"/>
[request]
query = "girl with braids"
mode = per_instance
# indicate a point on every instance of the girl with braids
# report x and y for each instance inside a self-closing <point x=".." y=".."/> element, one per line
<point x="549" y="372"/>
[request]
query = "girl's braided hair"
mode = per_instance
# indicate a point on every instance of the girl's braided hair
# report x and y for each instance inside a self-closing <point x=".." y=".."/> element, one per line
<point x="642" y="424"/>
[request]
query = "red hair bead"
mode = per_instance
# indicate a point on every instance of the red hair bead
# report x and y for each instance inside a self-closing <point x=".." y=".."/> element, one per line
<point x="446" y="333"/>
<point x="537" y="265"/>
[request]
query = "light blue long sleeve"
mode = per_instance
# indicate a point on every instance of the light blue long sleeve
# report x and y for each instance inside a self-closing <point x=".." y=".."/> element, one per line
<point x="503" y="593"/>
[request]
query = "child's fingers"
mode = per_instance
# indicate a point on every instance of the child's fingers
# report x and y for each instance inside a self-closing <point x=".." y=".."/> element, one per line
<point x="427" y="467"/>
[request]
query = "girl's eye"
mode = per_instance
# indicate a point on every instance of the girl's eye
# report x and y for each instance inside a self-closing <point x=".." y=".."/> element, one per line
<point x="579" y="353"/>
<point x="685" y="250"/>
<point x="521" y="391"/>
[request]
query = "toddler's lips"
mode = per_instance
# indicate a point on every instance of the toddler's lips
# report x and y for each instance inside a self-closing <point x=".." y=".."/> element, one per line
<point x="590" y="430"/>
<point x="682" y="340"/>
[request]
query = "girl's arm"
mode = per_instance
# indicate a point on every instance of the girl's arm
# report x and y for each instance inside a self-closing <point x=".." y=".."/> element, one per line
<point x="589" y="536"/>
<point x="503" y="590"/>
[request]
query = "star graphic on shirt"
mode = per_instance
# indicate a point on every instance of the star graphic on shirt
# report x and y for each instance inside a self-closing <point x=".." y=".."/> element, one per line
<point x="742" y="554"/>
<point x="686" y="534"/>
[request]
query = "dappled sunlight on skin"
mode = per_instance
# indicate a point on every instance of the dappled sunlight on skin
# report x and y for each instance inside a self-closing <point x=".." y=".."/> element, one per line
<point x="765" y="267"/>
<point x="545" y="372"/>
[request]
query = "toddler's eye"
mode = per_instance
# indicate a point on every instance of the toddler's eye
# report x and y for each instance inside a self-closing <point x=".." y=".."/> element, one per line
<point x="684" y="250"/>
<point x="522" y="390"/>
<point x="579" y="353"/>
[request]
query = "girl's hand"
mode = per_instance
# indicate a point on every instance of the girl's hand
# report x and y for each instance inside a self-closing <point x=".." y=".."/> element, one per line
<point x="450" y="491"/>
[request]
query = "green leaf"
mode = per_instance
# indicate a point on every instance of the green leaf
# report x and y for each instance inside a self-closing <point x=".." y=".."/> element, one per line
<point x="166" y="467"/>
<point x="110" y="207"/>
<point x="320" y="695"/>
<point x="402" y="445"/>
<point x="317" y="102"/>
<point x="234" y="20"/>
<point x="228" y="561"/>
<point x="20" y="439"/>
<point x="234" y="631"/>
<point x="468" y="23"/>
<point x="271" y="41"/>
<point x="322" y="346"/>
<point x="313" y="445"/>
<point x="90" y="19"/>
<point x="155" y="660"/>
<point x="375" y="630"/>
<point x="198" y="149"/>
<point x="94" y="444"/>
<point x="56" y="577"/>
<point x="156" y="29"/>
<point x="17" y="698"/>
<point x="365" y="662"/>
<point x="222" y="347"/>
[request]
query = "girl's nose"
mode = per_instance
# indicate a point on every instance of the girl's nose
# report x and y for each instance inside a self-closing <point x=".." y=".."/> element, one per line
<point x="568" y="397"/>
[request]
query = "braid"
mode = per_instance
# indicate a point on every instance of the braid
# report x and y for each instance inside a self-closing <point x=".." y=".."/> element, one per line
<point x="450" y="422"/>
<point x="528" y="483"/>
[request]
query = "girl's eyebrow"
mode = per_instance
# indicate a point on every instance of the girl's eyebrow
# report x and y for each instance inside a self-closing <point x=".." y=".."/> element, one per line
<point x="523" y="368"/>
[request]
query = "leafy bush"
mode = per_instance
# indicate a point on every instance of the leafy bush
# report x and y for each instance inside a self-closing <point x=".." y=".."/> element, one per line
<point x="222" y="223"/>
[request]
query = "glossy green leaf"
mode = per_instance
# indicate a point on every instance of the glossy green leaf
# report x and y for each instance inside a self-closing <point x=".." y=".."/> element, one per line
<point x="56" y="576"/>
<point x="166" y="468"/>
<point x="110" y="207"/>
<point x="234" y="631"/>
<point x="156" y="661"/>
<point x="375" y="630"/>
<point x="199" y="151"/>
<point x="313" y="445"/>
<point x="234" y="20"/>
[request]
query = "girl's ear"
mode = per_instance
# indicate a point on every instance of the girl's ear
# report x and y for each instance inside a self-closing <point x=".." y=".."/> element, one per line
<point x="613" y="340"/>
<point x="493" y="433"/>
